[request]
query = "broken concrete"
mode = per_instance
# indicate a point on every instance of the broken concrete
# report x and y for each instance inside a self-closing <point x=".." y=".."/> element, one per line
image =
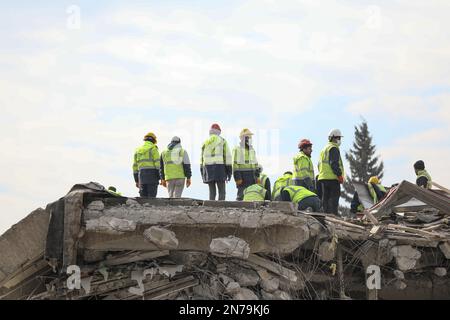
<point x="445" y="248"/>
<point x="327" y="251"/>
<point x="440" y="272"/>
<point x="110" y="225"/>
<point x="245" y="294"/>
<point x="246" y="277"/>
<point x="406" y="257"/>
<point x="230" y="247"/>
<point x="161" y="237"/>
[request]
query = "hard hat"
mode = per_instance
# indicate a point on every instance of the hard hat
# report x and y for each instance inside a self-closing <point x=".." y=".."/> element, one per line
<point x="150" y="135"/>
<point x="176" y="139"/>
<point x="335" y="133"/>
<point x="215" y="126"/>
<point x="374" y="179"/>
<point x="305" y="143"/>
<point x="245" y="133"/>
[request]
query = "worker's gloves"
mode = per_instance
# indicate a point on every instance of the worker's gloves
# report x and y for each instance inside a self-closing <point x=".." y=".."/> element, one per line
<point x="341" y="179"/>
<point x="239" y="182"/>
<point x="164" y="183"/>
<point x="188" y="183"/>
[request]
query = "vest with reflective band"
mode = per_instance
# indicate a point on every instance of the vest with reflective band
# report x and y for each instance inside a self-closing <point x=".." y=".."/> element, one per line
<point x="298" y="193"/>
<point x="147" y="157"/>
<point x="325" y="171"/>
<point x="372" y="192"/>
<point x="254" y="193"/>
<point x="244" y="159"/>
<point x="424" y="173"/>
<point x="360" y="208"/>
<point x="263" y="179"/>
<point x="303" y="167"/>
<point x="173" y="163"/>
<point x="284" y="181"/>
<point x="214" y="150"/>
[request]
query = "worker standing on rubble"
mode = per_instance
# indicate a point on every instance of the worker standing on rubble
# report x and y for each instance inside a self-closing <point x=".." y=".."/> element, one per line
<point x="301" y="197"/>
<point x="256" y="192"/>
<point x="264" y="181"/>
<point x="245" y="164"/>
<point x="331" y="172"/>
<point x="283" y="181"/>
<point x="146" y="167"/>
<point x="423" y="177"/>
<point x="215" y="164"/>
<point x="303" y="166"/>
<point x="175" y="168"/>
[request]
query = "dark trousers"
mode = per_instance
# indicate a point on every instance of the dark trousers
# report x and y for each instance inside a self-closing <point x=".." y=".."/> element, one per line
<point x="310" y="202"/>
<point x="331" y="192"/>
<point x="212" y="190"/>
<point x="148" y="190"/>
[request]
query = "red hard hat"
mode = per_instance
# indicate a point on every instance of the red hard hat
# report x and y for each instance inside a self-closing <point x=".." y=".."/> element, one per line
<point x="216" y="127"/>
<point x="305" y="143"/>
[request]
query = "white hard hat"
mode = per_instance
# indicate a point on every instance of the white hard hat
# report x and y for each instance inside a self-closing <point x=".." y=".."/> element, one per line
<point x="335" y="133"/>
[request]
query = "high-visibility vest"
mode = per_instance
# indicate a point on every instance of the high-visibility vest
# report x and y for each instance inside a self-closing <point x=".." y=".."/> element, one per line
<point x="146" y="157"/>
<point x="283" y="181"/>
<point x="303" y="167"/>
<point x="263" y="178"/>
<point x="372" y="192"/>
<point x="299" y="193"/>
<point x="244" y="159"/>
<point x="254" y="193"/>
<point x="424" y="173"/>
<point x="325" y="170"/>
<point x="215" y="151"/>
<point x="173" y="163"/>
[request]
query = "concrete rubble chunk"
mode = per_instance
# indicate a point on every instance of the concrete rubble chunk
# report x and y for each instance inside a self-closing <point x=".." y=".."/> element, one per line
<point x="327" y="251"/>
<point x="110" y="225"/>
<point x="399" y="275"/>
<point x="269" y="283"/>
<point x="400" y="285"/>
<point x="161" y="237"/>
<point x="406" y="257"/>
<point x="440" y="272"/>
<point x="246" y="277"/>
<point x="281" y="295"/>
<point x="225" y="279"/>
<point x="245" y="294"/>
<point x="132" y="203"/>
<point x="232" y="288"/>
<point x="230" y="247"/>
<point x="96" y="205"/>
<point x="445" y="248"/>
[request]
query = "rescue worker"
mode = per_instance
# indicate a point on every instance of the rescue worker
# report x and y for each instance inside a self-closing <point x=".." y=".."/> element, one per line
<point x="175" y="168"/>
<point x="301" y="197"/>
<point x="256" y="192"/>
<point x="146" y="167"/>
<point x="303" y="166"/>
<point x="423" y="177"/>
<point x="283" y="181"/>
<point x="245" y="164"/>
<point x="215" y="164"/>
<point x="376" y="190"/>
<point x="331" y="172"/>
<point x="264" y="181"/>
<point x="112" y="190"/>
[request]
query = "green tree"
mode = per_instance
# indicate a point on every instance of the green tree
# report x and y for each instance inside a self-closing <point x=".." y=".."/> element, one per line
<point x="362" y="160"/>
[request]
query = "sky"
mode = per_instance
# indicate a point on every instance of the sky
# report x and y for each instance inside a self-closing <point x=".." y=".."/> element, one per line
<point x="82" y="82"/>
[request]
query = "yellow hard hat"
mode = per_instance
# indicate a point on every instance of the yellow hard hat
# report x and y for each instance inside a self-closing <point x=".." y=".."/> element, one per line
<point x="150" y="135"/>
<point x="245" y="132"/>
<point x="374" y="179"/>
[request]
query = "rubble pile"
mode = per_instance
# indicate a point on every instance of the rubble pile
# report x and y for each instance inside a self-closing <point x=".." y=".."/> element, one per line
<point x="93" y="245"/>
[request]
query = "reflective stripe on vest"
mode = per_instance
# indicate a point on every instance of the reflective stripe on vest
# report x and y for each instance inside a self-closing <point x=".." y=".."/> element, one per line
<point x="244" y="159"/>
<point x="214" y="150"/>
<point x="263" y="179"/>
<point x="325" y="170"/>
<point x="303" y="167"/>
<point x="254" y="193"/>
<point x="284" y="181"/>
<point x="424" y="173"/>
<point x="145" y="158"/>
<point x="173" y="163"/>
<point x="298" y="193"/>
<point x="372" y="192"/>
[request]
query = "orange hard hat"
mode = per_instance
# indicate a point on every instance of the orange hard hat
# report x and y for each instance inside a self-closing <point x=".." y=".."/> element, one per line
<point x="305" y="143"/>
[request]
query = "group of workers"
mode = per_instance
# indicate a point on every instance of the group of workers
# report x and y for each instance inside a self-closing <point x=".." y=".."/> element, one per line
<point x="318" y="193"/>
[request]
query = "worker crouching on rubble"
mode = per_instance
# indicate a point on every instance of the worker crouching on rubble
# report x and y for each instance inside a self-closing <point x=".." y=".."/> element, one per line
<point x="301" y="197"/>
<point x="423" y="177"/>
<point x="376" y="190"/>
<point x="146" y="167"/>
<point x="256" y="192"/>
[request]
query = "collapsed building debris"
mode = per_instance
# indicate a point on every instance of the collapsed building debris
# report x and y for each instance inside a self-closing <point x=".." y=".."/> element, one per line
<point x="93" y="245"/>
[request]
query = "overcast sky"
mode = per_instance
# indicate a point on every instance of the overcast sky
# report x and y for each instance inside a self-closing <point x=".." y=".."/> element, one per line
<point x="81" y="83"/>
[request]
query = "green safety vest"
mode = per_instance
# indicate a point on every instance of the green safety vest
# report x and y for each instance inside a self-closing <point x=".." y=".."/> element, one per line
<point x="303" y="167"/>
<point x="173" y="163"/>
<point x="215" y="151"/>
<point x="244" y="159"/>
<point x="284" y="181"/>
<point x="424" y="173"/>
<point x="254" y="193"/>
<point x="372" y="192"/>
<point x="298" y="193"/>
<point x="325" y="171"/>
<point x="146" y="157"/>
<point x="263" y="178"/>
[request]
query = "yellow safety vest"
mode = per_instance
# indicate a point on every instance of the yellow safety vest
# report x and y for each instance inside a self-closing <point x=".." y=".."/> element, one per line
<point x="215" y="151"/>
<point x="254" y="193"/>
<point x="325" y="170"/>
<point x="298" y="193"/>
<point x="284" y="181"/>
<point x="372" y="192"/>
<point x="146" y="157"/>
<point x="173" y="163"/>
<point x="303" y="167"/>
<point x="244" y="159"/>
<point x="424" y="173"/>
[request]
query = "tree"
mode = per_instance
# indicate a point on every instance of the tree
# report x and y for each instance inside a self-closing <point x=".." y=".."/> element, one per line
<point x="362" y="159"/>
